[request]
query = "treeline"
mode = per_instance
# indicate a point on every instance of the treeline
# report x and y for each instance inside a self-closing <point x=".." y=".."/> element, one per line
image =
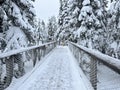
<point x="20" y="27"/>
<point x="92" y="24"/>
<point x="87" y="22"/>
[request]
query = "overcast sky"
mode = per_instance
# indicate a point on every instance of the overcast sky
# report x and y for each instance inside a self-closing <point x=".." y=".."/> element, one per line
<point x="46" y="8"/>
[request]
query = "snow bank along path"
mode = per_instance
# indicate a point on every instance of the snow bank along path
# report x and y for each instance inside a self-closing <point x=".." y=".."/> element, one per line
<point x="58" y="72"/>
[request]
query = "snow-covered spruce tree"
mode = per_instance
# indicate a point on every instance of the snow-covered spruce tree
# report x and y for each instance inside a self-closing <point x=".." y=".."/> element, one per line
<point x="44" y="32"/>
<point x="21" y="15"/>
<point x="62" y="14"/>
<point x="92" y="31"/>
<point x="37" y="33"/>
<point x="93" y="25"/>
<point x="52" y="27"/>
<point x="100" y="32"/>
<point x="18" y="28"/>
<point x="40" y="34"/>
<point x="2" y="40"/>
<point x="68" y="19"/>
<point x="3" y="24"/>
<point x="114" y="30"/>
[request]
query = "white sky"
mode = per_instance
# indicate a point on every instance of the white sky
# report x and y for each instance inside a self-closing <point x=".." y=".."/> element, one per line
<point x="46" y="8"/>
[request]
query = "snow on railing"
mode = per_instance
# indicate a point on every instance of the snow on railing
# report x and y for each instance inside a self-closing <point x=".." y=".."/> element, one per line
<point x="9" y="59"/>
<point x="14" y="52"/>
<point x="95" y="56"/>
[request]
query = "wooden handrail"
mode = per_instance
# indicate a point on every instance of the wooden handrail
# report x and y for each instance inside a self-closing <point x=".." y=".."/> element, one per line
<point x="95" y="56"/>
<point x="14" y="52"/>
<point x="105" y="59"/>
<point x="12" y="56"/>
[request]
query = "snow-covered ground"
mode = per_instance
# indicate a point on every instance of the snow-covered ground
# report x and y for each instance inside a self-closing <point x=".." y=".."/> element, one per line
<point x="59" y="71"/>
<point x="108" y="79"/>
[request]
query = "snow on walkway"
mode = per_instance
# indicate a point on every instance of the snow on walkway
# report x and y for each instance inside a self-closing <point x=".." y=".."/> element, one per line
<point x="58" y="72"/>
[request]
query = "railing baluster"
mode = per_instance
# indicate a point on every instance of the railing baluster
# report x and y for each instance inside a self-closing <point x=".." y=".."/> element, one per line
<point x="1" y="84"/>
<point x="20" y="63"/>
<point x="44" y="50"/>
<point x="93" y="73"/>
<point x="79" y="57"/>
<point x="35" y="57"/>
<point x="9" y="71"/>
<point x="39" y="54"/>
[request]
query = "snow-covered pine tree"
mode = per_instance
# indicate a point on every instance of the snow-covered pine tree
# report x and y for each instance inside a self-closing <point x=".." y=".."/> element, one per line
<point x="20" y="16"/>
<point x="40" y="34"/>
<point x="88" y="21"/>
<point x="18" y="27"/>
<point x="68" y="19"/>
<point x="3" y="24"/>
<point x="92" y="31"/>
<point x="52" y="27"/>
<point x="37" y="33"/>
<point x="44" y="32"/>
<point x="93" y="24"/>
<point x="114" y="30"/>
<point x="62" y="13"/>
<point x="99" y="34"/>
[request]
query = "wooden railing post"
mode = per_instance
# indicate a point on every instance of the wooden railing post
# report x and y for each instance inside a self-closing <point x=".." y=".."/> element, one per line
<point x="34" y="55"/>
<point x="39" y="54"/>
<point x="44" y="50"/>
<point x="93" y="73"/>
<point x="79" y="57"/>
<point x="9" y="71"/>
<point x="47" y="49"/>
<point x="1" y="84"/>
<point x="21" y="71"/>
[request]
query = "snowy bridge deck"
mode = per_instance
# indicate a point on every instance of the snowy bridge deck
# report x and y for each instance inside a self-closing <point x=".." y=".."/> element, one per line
<point x="58" y="71"/>
<point x="62" y="69"/>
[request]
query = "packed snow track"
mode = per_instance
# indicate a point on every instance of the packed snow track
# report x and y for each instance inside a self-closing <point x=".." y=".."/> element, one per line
<point x="59" y="71"/>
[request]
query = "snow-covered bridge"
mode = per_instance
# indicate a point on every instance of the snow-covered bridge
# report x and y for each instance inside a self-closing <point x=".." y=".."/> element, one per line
<point x="71" y="67"/>
<point x="59" y="71"/>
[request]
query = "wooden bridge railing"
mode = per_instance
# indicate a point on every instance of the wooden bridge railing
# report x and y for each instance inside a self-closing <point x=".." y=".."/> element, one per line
<point x="8" y="59"/>
<point x="92" y="58"/>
